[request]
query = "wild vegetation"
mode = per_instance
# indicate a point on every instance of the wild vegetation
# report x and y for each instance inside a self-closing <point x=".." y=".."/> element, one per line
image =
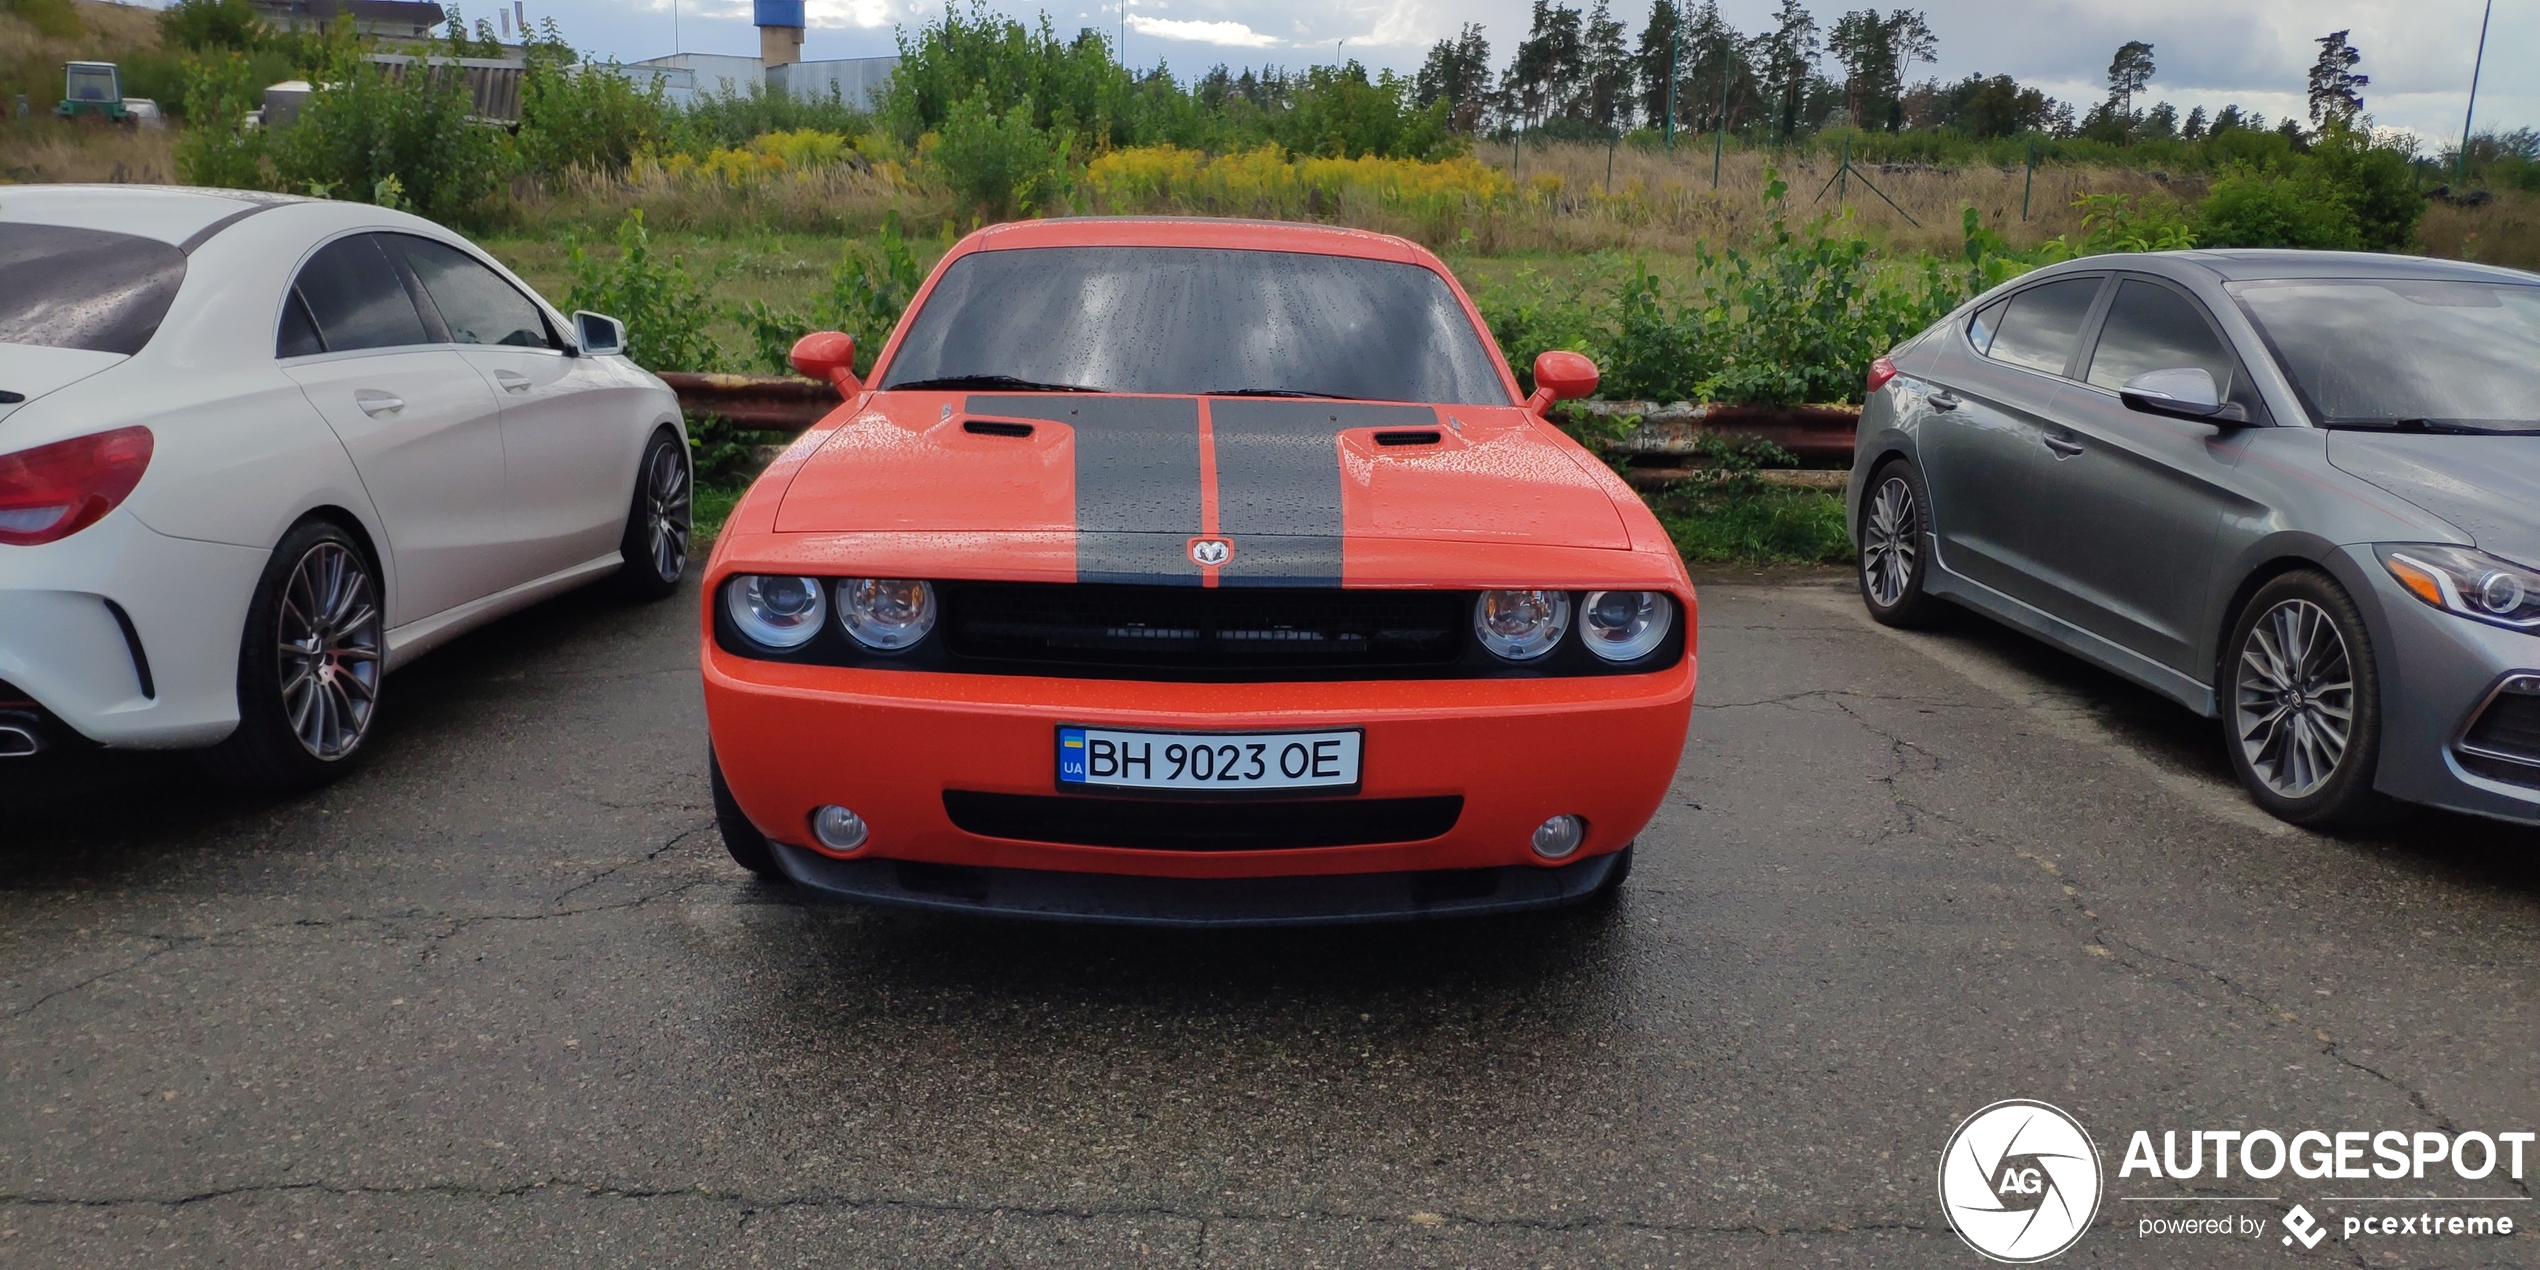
<point x="1713" y="214"/>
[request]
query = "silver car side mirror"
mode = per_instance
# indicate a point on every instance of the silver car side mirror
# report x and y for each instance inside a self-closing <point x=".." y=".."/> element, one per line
<point x="599" y="334"/>
<point x="2185" y="392"/>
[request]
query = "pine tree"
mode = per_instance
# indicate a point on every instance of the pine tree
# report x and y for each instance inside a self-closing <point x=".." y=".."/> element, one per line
<point x="2131" y="70"/>
<point x="2334" y="81"/>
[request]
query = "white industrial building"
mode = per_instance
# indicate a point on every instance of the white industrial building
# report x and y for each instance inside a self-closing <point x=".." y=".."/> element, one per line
<point x="779" y="68"/>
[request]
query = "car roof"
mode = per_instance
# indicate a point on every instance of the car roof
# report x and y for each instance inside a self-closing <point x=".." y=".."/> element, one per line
<point x="1198" y="231"/>
<point x="172" y="214"/>
<point x="2249" y="264"/>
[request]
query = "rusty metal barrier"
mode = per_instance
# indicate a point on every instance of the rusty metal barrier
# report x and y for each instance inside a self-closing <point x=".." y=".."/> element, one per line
<point x="1820" y="435"/>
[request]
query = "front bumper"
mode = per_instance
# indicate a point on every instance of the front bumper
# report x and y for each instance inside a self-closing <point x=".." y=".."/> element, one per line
<point x="2438" y="671"/>
<point x="1326" y="899"/>
<point x="890" y="744"/>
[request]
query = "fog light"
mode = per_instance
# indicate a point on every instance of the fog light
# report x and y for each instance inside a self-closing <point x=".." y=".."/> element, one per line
<point x="842" y="830"/>
<point x="1559" y="836"/>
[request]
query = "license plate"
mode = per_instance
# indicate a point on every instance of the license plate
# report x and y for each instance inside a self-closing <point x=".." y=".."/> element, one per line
<point x="1220" y="761"/>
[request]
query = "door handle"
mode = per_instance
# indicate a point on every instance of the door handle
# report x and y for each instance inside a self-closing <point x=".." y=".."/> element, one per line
<point x="1944" y="399"/>
<point x="376" y="403"/>
<point x="512" y="381"/>
<point x="2063" y="449"/>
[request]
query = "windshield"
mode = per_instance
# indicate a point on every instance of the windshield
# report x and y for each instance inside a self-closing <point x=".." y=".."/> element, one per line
<point x="2405" y="354"/>
<point x="1197" y="320"/>
<point x="64" y="287"/>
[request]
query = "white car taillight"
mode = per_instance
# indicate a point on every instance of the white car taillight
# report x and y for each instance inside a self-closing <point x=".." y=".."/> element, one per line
<point x="53" y="491"/>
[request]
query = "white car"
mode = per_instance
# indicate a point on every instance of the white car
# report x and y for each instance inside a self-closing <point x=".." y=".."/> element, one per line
<point x="256" y="452"/>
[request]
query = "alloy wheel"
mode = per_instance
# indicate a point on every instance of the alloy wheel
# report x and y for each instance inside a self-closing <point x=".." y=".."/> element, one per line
<point x="1891" y="543"/>
<point x="2293" y="701"/>
<point x="666" y="513"/>
<point x="329" y="642"/>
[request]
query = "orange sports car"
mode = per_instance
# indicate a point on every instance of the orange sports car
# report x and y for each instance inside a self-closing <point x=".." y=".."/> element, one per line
<point x="1193" y="572"/>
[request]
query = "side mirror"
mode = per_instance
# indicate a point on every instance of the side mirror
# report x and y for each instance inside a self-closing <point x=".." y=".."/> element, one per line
<point x="2186" y="392"/>
<point x="599" y="334"/>
<point x="1561" y="375"/>
<point x="828" y="356"/>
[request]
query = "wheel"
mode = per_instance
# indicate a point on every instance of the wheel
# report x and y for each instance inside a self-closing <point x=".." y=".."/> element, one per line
<point x="748" y="846"/>
<point x="1893" y="518"/>
<point x="309" y="667"/>
<point x="2302" y="705"/>
<point x="655" y="548"/>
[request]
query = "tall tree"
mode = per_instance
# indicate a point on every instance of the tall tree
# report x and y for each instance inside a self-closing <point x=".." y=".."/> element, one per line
<point x="1546" y="75"/>
<point x="2128" y="73"/>
<point x="1457" y="73"/>
<point x="1661" y="54"/>
<point x="2194" y="128"/>
<point x="1876" y="53"/>
<point x="1606" y="70"/>
<point x="1790" y="53"/>
<point x="2334" y="83"/>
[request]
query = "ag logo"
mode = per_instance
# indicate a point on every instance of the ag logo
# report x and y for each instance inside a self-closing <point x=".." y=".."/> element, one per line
<point x="1211" y="551"/>
<point x="2020" y="1181"/>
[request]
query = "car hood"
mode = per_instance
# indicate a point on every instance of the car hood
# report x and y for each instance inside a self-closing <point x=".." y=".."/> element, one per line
<point x="31" y="371"/>
<point x="2488" y="486"/>
<point x="1135" y="479"/>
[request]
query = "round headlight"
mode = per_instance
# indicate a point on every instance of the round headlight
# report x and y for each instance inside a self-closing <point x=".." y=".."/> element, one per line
<point x="1625" y="625"/>
<point x="1521" y="625"/>
<point x="886" y="614"/>
<point x="776" y="612"/>
<point x="2500" y="592"/>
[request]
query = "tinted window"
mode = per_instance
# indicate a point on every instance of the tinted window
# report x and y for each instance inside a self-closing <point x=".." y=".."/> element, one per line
<point x="475" y="303"/>
<point x="357" y="298"/>
<point x="1191" y="320"/>
<point x="2151" y="327"/>
<point x="299" y="330"/>
<point x="1980" y="329"/>
<point x="2466" y="354"/>
<point x="2043" y="325"/>
<point x="62" y="287"/>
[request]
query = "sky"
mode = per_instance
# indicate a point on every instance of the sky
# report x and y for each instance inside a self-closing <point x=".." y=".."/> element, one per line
<point x="2256" y="53"/>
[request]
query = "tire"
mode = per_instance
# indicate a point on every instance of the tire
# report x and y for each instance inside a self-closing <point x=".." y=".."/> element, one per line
<point x="1895" y="514"/>
<point x="310" y="666"/>
<point x="659" y="518"/>
<point x="748" y="846"/>
<point x="2299" y="656"/>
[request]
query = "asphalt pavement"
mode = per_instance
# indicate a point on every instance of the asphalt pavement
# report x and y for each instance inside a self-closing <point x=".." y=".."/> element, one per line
<point x="500" y="999"/>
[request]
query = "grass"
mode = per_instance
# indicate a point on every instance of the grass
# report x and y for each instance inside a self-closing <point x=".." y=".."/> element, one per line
<point x="712" y="506"/>
<point x="1755" y="525"/>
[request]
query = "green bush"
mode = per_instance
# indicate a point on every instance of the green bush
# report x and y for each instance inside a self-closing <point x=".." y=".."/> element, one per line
<point x="406" y="141"/>
<point x="997" y="64"/>
<point x="2376" y="182"/>
<point x="729" y="119"/>
<point x="587" y="117"/>
<point x="868" y="291"/>
<point x="1001" y="164"/>
<point x="665" y="309"/>
<point x="212" y="25"/>
<point x="2251" y="208"/>
<point x="216" y="149"/>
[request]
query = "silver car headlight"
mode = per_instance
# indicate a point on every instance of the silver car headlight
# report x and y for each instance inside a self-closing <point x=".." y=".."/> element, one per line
<point x="1521" y="625"/>
<point x="1626" y="625"/>
<point x="2471" y="583"/>
<point x="886" y="614"/>
<point x="779" y="612"/>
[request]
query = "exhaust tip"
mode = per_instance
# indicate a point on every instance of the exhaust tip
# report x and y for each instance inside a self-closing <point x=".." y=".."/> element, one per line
<point x="21" y="736"/>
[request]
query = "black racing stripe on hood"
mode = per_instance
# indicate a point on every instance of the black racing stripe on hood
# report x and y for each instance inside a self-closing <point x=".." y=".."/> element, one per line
<point x="1279" y="484"/>
<point x="1137" y="480"/>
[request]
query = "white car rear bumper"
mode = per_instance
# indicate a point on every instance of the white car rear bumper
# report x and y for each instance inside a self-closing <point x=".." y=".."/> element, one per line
<point x="61" y="645"/>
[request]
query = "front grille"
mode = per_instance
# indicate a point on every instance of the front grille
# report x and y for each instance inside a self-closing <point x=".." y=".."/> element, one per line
<point x="1161" y="825"/>
<point x="1234" y="629"/>
<point x="2509" y="728"/>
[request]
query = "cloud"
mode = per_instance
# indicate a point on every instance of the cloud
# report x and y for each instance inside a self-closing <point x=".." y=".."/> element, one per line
<point x="1231" y="34"/>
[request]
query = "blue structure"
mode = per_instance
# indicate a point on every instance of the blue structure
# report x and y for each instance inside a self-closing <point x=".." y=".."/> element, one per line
<point x="778" y="13"/>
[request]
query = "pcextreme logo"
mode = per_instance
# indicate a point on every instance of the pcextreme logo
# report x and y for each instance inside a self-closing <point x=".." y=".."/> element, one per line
<point x="2020" y="1181"/>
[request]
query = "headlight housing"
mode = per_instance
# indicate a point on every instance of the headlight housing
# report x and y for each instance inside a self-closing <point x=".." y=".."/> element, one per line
<point x="776" y="611"/>
<point x="1625" y="625"/>
<point x="1521" y="625"/>
<point x="886" y="614"/>
<point x="2470" y="583"/>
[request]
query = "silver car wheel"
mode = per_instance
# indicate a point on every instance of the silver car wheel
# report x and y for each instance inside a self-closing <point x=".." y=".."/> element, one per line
<point x="329" y="643"/>
<point x="666" y="513"/>
<point x="2293" y="701"/>
<point x="1891" y="542"/>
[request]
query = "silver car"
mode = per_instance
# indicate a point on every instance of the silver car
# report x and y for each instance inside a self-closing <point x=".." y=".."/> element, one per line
<point x="2295" y="491"/>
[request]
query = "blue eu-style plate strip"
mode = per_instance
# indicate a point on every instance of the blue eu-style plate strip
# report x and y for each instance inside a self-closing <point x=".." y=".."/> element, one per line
<point x="1071" y="755"/>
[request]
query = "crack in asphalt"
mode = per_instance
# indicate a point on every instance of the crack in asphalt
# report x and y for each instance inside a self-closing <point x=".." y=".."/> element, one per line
<point x="646" y="858"/>
<point x="752" y="1206"/>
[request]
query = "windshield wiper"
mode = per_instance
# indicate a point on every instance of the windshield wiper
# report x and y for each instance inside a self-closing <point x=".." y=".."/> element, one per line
<point x="2455" y="427"/>
<point x="1006" y="383"/>
<point x="1280" y="392"/>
